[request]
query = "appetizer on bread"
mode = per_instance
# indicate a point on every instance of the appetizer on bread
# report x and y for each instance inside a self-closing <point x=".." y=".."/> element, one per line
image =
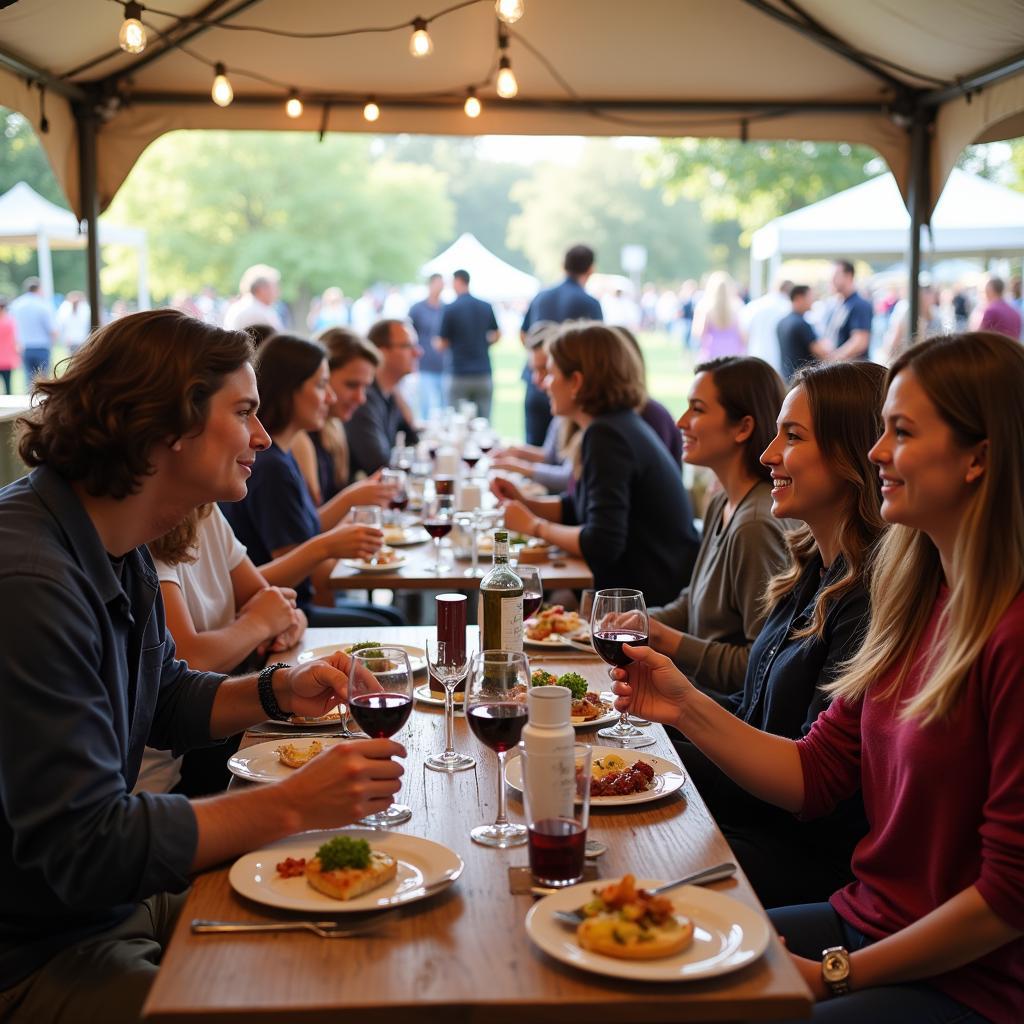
<point x="344" y="868"/>
<point x="294" y="756"/>
<point x="554" y="619"/>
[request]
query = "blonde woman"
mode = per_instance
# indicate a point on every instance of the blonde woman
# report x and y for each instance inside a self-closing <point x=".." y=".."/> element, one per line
<point x="716" y="320"/>
<point x="928" y="718"/>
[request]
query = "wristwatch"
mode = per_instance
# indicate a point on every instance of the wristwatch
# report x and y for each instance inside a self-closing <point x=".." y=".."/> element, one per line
<point x="265" y="690"/>
<point x="835" y="970"/>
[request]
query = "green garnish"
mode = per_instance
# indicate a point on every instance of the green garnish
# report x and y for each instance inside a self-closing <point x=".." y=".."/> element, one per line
<point x="542" y="678"/>
<point x="366" y="645"/>
<point x="575" y="682"/>
<point x="343" y="852"/>
<point x="369" y="647"/>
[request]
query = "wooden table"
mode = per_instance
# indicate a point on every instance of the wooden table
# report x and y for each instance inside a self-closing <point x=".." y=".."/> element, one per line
<point x="463" y="956"/>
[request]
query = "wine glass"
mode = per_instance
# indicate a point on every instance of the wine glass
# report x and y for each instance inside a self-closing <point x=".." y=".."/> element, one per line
<point x="367" y="515"/>
<point x="470" y="524"/>
<point x="396" y="479"/>
<point x="438" y="522"/>
<point x="533" y="590"/>
<point x="380" y="700"/>
<point x="620" y="617"/>
<point x="496" y="712"/>
<point x="450" y="668"/>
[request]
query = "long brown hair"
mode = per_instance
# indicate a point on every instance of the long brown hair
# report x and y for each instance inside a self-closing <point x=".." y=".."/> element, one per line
<point x="846" y="409"/>
<point x="611" y="369"/>
<point x="178" y="544"/>
<point x="975" y="381"/>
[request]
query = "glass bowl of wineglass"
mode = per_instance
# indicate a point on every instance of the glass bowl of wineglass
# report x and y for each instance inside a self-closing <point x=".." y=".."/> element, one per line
<point x="438" y="522"/>
<point x="380" y="701"/>
<point x="396" y="479"/>
<point x="496" y="712"/>
<point x="533" y="589"/>
<point x="449" y="666"/>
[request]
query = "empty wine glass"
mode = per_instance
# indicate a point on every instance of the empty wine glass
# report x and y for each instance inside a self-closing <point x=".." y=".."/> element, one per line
<point x="449" y="667"/>
<point x="367" y="515"/>
<point x="620" y="617"/>
<point x="438" y="522"/>
<point x="496" y="711"/>
<point x="380" y="700"/>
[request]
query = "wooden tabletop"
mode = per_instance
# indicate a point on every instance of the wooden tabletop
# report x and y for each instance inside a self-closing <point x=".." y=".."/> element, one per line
<point x="463" y="955"/>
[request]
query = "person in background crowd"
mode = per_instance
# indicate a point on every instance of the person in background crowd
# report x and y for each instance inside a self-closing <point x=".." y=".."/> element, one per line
<point x="74" y="321"/>
<point x="619" y="309"/>
<point x="1016" y="300"/>
<point x="728" y="422"/>
<point x="209" y="305"/>
<point x="798" y="346"/>
<point x="33" y="316"/>
<point x="929" y="323"/>
<point x="394" y="306"/>
<point x="629" y="516"/>
<point x="93" y="876"/>
<point x="433" y="371"/>
<point x="468" y="330"/>
<point x="716" y="321"/>
<point x="331" y="312"/>
<point x="689" y="293"/>
<point x="848" y="329"/>
<point x="10" y="352"/>
<point x="997" y="314"/>
<point x="374" y="426"/>
<point x="565" y="301"/>
<point x="365" y="312"/>
<point x="260" y="286"/>
<point x="760" y="320"/>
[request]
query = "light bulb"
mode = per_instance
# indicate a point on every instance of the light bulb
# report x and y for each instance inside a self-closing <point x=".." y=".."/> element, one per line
<point x="293" y="108"/>
<point x="371" y="111"/>
<point x="420" y="43"/>
<point x="222" y="94"/>
<point x="510" y="11"/>
<point x="507" y="85"/>
<point x="472" y="105"/>
<point x="132" y="37"/>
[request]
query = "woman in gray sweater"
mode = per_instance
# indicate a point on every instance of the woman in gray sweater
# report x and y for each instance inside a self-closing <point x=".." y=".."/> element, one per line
<point x="728" y="423"/>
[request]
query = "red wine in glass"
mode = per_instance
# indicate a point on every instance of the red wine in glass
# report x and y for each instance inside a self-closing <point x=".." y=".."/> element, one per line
<point x="399" y="501"/>
<point x="556" y="847"/>
<point x="381" y="714"/>
<point x="499" y="725"/>
<point x="608" y="644"/>
<point x="438" y="528"/>
<point x="531" y="604"/>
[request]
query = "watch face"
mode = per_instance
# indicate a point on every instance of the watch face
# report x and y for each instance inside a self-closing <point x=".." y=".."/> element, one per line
<point x="835" y="966"/>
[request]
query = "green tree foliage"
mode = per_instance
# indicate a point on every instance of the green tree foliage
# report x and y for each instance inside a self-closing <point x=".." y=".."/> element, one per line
<point x="605" y="203"/>
<point x="322" y="213"/>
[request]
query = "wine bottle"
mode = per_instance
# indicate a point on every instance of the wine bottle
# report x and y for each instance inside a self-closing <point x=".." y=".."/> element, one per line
<point x="501" y="602"/>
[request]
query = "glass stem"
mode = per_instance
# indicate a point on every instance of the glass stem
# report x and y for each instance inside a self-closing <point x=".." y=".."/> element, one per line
<point x="502" y="818"/>
<point x="437" y="554"/>
<point x="449" y="717"/>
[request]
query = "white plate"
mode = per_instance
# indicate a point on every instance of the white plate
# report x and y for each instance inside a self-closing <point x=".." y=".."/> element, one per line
<point x="668" y="777"/>
<point x="260" y="762"/>
<point x="580" y="641"/>
<point x="424" y="696"/>
<point x="405" y="538"/>
<point x="358" y="563"/>
<point x="728" y="935"/>
<point x="417" y="656"/>
<point x="333" y="717"/>
<point x="423" y="866"/>
<point x="609" y="716"/>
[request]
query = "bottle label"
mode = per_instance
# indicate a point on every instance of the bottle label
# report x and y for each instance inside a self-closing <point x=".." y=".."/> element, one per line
<point x="550" y="782"/>
<point x="506" y="634"/>
<point x="512" y="623"/>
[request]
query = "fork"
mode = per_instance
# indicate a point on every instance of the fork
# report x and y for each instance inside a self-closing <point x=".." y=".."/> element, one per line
<point x="325" y="929"/>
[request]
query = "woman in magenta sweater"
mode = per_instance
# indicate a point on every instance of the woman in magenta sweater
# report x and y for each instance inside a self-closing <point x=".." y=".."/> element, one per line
<point x="928" y="719"/>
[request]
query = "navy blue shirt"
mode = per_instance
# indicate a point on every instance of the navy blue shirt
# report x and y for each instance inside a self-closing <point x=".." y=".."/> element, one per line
<point x="277" y="512"/>
<point x="565" y="301"/>
<point x="372" y="431"/>
<point x="465" y="324"/>
<point x="853" y="314"/>
<point x="426" y="319"/>
<point x="795" y="336"/>
<point x="88" y="678"/>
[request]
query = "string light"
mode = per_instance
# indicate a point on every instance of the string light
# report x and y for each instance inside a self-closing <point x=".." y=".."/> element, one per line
<point x="371" y="111"/>
<point x="132" y="37"/>
<point x="472" y="105"/>
<point x="506" y="84"/>
<point x="293" y="108"/>
<point x="222" y="94"/>
<point x="510" y="11"/>
<point x="420" y="43"/>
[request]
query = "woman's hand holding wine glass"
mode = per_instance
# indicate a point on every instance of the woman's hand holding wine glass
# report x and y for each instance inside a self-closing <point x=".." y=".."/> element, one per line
<point x="651" y="686"/>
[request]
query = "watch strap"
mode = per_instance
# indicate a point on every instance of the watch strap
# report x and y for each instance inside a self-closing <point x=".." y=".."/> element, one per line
<point x="265" y="690"/>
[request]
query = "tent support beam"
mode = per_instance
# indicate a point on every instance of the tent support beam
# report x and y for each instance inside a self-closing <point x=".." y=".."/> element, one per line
<point x="24" y="69"/>
<point x="85" y="119"/>
<point x="918" y="198"/>
<point x="976" y="81"/>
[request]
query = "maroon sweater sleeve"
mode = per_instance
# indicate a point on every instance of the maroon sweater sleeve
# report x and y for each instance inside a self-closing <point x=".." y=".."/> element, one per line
<point x="830" y="758"/>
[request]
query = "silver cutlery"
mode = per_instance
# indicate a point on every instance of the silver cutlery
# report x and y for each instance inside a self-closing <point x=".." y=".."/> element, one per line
<point x="703" y="877"/>
<point x="325" y="929"/>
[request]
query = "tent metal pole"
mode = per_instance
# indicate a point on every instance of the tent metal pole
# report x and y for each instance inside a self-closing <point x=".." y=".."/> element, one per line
<point x="86" y="122"/>
<point x="919" y="193"/>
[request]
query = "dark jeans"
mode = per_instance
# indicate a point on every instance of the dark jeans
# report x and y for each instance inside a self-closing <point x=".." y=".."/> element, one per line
<point x="5" y="376"/>
<point x="813" y="927"/>
<point x="538" y="414"/>
<point x="37" y="360"/>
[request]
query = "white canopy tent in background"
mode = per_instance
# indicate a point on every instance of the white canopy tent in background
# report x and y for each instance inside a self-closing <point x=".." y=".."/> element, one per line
<point x="974" y="217"/>
<point x="26" y="218"/>
<point x="490" y="277"/>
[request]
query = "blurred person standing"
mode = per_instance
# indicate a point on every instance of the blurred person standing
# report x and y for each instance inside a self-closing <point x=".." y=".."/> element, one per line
<point x="74" y="321"/>
<point x="1016" y="300"/>
<point x="797" y="342"/>
<point x="716" y="321"/>
<point x="10" y="355"/>
<point x="997" y="314"/>
<point x="332" y="311"/>
<point x="565" y="301"/>
<point x="364" y="312"/>
<point x="426" y="319"/>
<point x="848" y="329"/>
<point x="760" y="320"/>
<point x="260" y="286"/>
<point x="36" y="326"/>
<point x="469" y="328"/>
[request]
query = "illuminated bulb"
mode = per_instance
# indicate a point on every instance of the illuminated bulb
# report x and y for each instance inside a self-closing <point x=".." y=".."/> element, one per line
<point x="510" y="11"/>
<point x="132" y="37"/>
<point x="293" y="108"/>
<point x="222" y="94"/>
<point x="371" y="111"/>
<point x="472" y="105"/>
<point x="507" y="85"/>
<point x="420" y="43"/>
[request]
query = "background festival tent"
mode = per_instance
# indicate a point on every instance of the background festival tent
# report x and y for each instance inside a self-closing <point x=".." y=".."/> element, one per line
<point x="490" y="277"/>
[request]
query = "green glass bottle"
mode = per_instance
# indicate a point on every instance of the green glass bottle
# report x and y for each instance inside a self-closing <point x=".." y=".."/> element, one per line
<point x="501" y="602"/>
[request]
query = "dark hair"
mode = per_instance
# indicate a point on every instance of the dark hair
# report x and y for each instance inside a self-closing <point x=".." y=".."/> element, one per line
<point x="846" y="265"/>
<point x="996" y="284"/>
<point x="380" y="332"/>
<point x="31" y="284"/>
<point x="283" y="365"/>
<point x="612" y="372"/>
<point x="343" y="345"/>
<point x="798" y="291"/>
<point x="461" y="275"/>
<point x="260" y="333"/>
<point x="142" y="380"/>
<point x="748" y="386"/>
<point x="578" y="260"/>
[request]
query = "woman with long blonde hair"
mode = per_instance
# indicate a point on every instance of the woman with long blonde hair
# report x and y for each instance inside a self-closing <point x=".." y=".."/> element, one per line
<point x="928" y="718"/>
<point x="716" y="320"/>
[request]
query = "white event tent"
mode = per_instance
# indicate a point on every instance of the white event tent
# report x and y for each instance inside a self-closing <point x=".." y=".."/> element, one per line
<point x="974" y="216"/>
<point x="27" y="218"/>
<point x="490" y="277"/>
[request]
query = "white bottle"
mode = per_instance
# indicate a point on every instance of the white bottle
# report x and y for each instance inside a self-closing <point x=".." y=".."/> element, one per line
<point x="549" y="743"/>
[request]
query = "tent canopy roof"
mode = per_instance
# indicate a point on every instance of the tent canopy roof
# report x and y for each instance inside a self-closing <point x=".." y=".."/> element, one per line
<point x="973" y="215"/>
<point x="490" y="277"/>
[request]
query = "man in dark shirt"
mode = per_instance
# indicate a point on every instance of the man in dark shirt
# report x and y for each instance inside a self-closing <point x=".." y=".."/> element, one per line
<point x="374" y="426"/>
<point x="797" y="344"/>
<point x="426" y="320"/>
<point x="848" y="332"/>
<point x="155" y="416"/>
<point x="468" y="329"/>
<point x="565" y="301"/>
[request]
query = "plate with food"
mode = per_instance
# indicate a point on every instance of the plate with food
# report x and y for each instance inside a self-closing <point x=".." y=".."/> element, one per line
<point x="589" y="708"/>
<point x="424" y="696"/>
<point x="684" y="935"/>
<point x="417" y="656"/>
<point x="332" y="718"/>
<point x="276" y="760"/>
<point x="404" y="536"/>
<point x="618" y="777"/>
<point x="346" y="871"/>
<point x="386" y="560"/>
<point x="551" y="626"/>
